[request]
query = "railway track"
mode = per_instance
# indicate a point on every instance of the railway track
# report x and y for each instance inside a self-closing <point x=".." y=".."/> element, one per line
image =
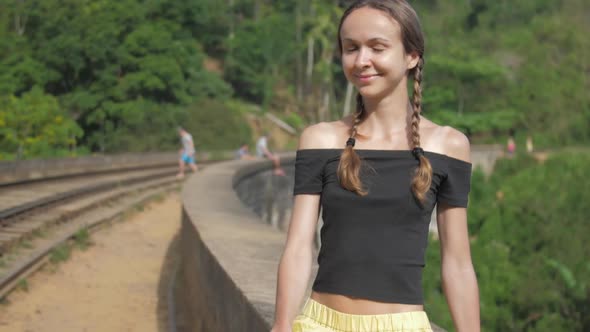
<point x="36" y="217"/>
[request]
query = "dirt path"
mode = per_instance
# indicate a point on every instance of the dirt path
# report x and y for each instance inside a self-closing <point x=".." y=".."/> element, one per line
<point x="110" y="287"/>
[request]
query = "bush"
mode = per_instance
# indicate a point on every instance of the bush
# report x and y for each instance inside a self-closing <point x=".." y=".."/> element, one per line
<point x="215" y="125"/>
<point x="34" y="125"/>
<point x="528" y="247"/>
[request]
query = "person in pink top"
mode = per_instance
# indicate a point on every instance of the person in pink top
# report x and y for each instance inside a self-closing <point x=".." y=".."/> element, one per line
<point x="511" y="144"/>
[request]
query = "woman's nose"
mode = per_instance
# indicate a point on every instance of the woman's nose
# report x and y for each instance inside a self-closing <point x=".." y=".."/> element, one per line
<point x="363" y="58"/>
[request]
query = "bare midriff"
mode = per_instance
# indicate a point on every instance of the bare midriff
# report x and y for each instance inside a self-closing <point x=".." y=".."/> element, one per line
<point x="358" y="306"/>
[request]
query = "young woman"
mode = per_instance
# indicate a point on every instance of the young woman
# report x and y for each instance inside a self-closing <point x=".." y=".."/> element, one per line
<point x="378" y="175"/>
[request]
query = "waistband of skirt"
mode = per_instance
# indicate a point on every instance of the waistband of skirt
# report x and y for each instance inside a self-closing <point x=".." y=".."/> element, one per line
<point x="415" y="321"/>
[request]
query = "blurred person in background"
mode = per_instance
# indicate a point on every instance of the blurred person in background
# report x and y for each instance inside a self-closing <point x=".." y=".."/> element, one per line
<point x="244" y="152"/>
<point x="511" y="144"/>
<point x="262" y="151"/>
<point x="186" y="153"/>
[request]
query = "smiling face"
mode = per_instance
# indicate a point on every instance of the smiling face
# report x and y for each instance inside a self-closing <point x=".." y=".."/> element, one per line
<point x="373" y="54"/>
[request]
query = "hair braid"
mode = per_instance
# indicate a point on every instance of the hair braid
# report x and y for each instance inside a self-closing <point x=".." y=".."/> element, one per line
<point x="423" y="175"/>
<point x="350" y="162"/>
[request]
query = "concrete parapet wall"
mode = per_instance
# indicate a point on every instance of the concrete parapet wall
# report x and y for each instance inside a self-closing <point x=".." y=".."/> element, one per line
<point x="36" y="169"/>
<point x="485" y="156"/>
<point x="26" y="170"/>
<point x="270" y="197"/>
<point x="229" y="256"/>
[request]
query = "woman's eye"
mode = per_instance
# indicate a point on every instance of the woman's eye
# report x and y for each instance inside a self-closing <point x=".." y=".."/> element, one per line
<point x="378" y="49"/>
<point x="351" y="49"/>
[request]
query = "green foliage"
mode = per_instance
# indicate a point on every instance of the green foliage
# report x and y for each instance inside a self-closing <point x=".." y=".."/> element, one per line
<point x="34" y="125"/>
<point x="530" y="261"/>
<point x="216" y="126"/>
<point x="117" y="68"/>
<point x="121" y="68"/>
<point x="505" y="168"/>
<point x="259" y="49"/>
<point x="141" y="116"/>
<point x="498" y="121"/>
<point x="294" y="120"/>
<point x="61" y="253"/>
<point x="23" y="285"/>
<point x="82" y="239"/>
<point x="511" y="64"/>
<point x="205" y="20"/>
<point x="20" y="70"/>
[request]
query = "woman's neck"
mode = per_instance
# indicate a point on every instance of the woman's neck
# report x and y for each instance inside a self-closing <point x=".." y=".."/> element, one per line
<point x="386" y="117"/>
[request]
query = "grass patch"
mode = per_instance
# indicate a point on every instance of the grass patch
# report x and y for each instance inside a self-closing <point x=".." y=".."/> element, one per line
<point x="26" y="244"/>
<point x="39" y="233"/>
<point x="126" y="215"/>
<point x="61" y="253"/>
<point x="23" y="285"/>
<point x="82" y="239"/>
<point x="160" y="197"/>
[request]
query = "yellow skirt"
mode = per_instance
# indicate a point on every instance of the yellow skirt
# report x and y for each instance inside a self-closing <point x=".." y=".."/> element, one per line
<point x="316" y="317"/>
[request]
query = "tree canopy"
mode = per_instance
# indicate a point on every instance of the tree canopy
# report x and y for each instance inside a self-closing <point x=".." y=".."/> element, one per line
<point x="121" y="68"/>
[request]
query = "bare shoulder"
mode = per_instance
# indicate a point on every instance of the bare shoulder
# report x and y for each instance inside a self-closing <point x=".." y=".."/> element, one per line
<point x="455" y="143"/>
<point x="323" y="135"/>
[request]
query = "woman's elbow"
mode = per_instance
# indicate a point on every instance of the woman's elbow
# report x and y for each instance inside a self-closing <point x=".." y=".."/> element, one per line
<point x="457" y="266"/>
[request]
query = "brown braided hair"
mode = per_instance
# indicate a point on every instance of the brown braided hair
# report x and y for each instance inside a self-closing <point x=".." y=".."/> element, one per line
<point x="350" y="162"/>
<point x="413" y="41"/>
<point x="423" y="174"/>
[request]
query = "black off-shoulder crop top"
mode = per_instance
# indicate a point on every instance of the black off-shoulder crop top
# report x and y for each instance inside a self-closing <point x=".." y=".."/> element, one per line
<point x="373" y="246"/>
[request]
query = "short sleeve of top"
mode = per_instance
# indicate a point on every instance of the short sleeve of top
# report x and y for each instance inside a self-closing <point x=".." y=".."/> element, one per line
<point x="454" y="188"/>
<point x="309" y="172"/>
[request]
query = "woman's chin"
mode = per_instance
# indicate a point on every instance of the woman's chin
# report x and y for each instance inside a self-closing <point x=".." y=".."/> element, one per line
<point x="370" y="92"/>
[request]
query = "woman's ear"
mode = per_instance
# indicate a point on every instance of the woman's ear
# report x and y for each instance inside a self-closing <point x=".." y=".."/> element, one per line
<point x="412" y="60"/>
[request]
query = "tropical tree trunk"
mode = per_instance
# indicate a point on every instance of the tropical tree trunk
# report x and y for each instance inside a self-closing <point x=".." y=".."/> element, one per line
<point x="461" y="99"/>
<point x="347" y="99"/>
<point x="324" y="116"/>
<point x="20" y="19"/>
<point x="258" y="9"/>
<point x="298" y="59"/>
<point x="310" y="60"/>
<point x="19" y="151"/>
<point x="231" y="27"/>
<point x="310" y="52"/>
<point x="328" y="79"/>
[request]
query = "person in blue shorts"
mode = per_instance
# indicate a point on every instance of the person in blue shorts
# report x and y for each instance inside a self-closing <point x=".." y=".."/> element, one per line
<point x="244" y="152"/>
<point x="187" y="153"/>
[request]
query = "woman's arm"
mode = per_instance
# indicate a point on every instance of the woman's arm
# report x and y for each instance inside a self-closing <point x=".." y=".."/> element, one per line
<point x="295" y="265"/>
<point x="458" y="276"/>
